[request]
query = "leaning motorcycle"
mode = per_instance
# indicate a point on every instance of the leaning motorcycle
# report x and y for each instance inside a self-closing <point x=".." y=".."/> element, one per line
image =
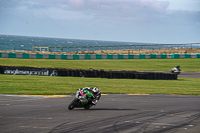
<point x="176" y="70"/>
<point x="81" y="101"/>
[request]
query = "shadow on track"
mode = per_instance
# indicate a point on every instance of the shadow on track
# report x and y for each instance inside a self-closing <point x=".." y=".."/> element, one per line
<point x="116" y="109"/>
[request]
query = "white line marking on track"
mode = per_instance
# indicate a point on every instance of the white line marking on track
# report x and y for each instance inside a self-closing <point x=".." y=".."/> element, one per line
<point x="161" y="124"/>
<point x="166" y="124"/>
<point x="35" y="127"/>
<point x="190" y="125"/>
<point x="27" y="118"/>
<point x="5" y="104"/>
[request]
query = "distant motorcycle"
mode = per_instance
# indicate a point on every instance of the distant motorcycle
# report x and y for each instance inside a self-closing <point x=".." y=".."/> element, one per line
<point x="81" y="101"/>
<point x="176" y="70"/>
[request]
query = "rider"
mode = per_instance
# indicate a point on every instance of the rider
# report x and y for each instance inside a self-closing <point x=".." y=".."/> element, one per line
<point x="96" y="94"/>
<point x="178" y="67"/>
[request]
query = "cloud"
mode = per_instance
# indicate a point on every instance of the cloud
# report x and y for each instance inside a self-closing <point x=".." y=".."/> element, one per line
<point x="59" y="13"/>
<point x="192" y="5"/>
<point x="117" y="9"/>
<point x="111" y="19"/>
<point x="113" y="10"/>
<point x="111" y="4"/>
<point x="109" y="9"/>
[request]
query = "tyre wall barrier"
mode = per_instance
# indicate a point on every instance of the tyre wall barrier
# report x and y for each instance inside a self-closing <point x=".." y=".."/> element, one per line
<point x="15" y="70"/>
<point x="96" y="56"/>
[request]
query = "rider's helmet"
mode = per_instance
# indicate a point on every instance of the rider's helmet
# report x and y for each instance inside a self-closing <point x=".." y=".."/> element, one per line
<point x="95" y="90"/>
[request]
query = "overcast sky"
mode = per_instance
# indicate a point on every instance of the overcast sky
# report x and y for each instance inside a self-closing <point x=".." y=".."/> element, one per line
<point x="148" y="21"/>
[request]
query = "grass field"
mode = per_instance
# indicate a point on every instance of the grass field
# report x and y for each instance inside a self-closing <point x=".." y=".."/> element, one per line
<point x="45" y="85"/>
<point x="124" y="64"/>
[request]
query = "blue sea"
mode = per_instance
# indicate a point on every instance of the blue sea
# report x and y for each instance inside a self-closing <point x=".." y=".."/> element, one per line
<point x="25" y="43"/>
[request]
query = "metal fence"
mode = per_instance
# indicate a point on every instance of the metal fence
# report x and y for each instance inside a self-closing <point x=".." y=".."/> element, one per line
<point x="117" y="47"/>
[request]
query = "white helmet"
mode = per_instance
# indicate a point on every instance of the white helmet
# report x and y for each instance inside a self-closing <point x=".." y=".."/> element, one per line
<point x="95" y="89"/>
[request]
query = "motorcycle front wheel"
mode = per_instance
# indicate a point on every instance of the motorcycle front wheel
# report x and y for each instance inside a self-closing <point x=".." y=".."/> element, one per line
<point x="72" y="105"/>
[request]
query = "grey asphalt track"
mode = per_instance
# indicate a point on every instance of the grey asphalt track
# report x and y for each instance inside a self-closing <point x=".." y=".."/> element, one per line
<point x="112" y="114"/>
<point x="189" y="75"/>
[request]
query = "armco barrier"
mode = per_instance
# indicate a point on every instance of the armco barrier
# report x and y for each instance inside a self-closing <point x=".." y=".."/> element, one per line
<point x="97" y="56"/>
<point x="12" y="70"/>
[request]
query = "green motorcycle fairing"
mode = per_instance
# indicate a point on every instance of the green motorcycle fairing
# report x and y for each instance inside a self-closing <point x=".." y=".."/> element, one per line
<point x="83" y="101"/>
<point x="89" y="94"/>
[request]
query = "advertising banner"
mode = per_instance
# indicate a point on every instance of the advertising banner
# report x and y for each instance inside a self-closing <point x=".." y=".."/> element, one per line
<point x="28" y="71"/>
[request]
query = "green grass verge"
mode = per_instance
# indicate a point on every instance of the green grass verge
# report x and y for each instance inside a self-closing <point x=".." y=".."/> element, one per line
<point x="46" y="85"/>
<point x="124" y="64"/>
<point x="20" y="84"/>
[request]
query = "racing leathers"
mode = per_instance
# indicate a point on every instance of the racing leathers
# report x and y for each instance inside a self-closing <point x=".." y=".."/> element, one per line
<point x="94" y="98"/>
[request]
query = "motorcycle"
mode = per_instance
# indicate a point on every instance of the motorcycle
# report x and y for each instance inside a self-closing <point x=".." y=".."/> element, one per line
<point x="81" y="101"/>
<point x="176" y="70"/>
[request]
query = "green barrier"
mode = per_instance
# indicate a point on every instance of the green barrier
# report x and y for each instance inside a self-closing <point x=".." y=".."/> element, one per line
<point x="63" y="56"/>
<point x="11" y="55"/>
<point x="152" y="56"/>
<point x="163" y="56"/>
<point x="120" y="56"/>
<point x="25" y="55"/>
<point x="142" y="56"/>
<point x="51" y="56"/>
<point x="87" y="56"/>
<point x="109" y="56"/>
<point x="175" y="56"/>
<point x="98" y="56"/>
<point x="39" y="56"/>
<point x="75" y="56"/>
<point x="187" y="55"/>
<point x="131" y="56"/>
